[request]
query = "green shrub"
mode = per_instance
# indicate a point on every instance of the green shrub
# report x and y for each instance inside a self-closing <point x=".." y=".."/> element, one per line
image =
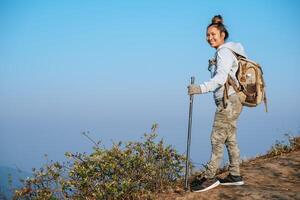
<point x="134" y="170"/>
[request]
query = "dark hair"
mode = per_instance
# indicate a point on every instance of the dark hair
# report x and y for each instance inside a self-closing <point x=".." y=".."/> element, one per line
<point x="217" y="21"/>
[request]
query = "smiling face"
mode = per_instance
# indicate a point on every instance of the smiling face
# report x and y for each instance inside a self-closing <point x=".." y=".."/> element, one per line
<point x="215" y="37"/>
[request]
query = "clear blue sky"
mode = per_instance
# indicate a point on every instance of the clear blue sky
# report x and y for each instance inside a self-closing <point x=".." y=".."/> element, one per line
<point x="115" y="67"/>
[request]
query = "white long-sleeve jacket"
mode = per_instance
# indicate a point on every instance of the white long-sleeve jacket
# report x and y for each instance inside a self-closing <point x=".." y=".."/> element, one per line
<point x="226" y="64"/>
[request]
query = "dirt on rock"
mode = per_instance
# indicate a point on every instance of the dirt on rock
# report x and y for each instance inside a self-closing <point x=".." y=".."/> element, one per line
<point x="265" y="178"/>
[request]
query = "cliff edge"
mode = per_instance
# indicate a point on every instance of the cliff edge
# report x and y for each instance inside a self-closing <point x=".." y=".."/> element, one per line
<point x="266" y="177"/>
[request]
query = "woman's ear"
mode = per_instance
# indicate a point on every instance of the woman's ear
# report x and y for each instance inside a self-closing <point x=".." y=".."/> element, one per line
<point x="223" y="35"/>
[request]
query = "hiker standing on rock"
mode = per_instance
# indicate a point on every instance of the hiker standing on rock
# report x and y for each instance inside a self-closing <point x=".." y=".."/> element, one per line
<point x="223" y="64"/>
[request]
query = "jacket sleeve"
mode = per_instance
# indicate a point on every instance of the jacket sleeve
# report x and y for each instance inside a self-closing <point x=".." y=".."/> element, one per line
<point x="225" y="60"/>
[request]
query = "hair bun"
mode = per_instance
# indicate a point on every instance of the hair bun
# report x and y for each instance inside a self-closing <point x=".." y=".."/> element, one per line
<point x="217" y="19"/>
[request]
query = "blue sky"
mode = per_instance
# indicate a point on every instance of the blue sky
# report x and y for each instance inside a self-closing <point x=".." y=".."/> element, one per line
<point x="115" y="67"/>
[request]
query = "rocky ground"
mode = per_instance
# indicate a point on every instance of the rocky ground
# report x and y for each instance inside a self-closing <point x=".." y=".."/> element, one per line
<point x="265" y="178"/>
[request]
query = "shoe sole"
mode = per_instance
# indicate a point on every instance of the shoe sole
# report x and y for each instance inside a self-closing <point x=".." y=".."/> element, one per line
<point x="234" y="183"/>
<point x="210" y="187"/>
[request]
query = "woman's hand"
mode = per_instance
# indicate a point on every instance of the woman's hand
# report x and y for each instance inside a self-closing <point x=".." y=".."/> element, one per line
<point x="194" y="89"/>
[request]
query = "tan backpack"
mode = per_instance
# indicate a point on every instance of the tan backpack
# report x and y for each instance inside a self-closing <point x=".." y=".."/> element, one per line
<point x="251" y="89"/>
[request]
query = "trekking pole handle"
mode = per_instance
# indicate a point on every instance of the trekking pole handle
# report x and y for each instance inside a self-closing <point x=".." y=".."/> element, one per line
<point x="192" y="80"/>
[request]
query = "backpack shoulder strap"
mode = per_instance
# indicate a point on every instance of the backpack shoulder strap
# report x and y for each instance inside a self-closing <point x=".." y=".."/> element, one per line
<point x="230" y="82"/>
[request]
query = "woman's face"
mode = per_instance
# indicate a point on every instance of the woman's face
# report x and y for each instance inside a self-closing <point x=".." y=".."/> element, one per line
<point x="214" y="37"/>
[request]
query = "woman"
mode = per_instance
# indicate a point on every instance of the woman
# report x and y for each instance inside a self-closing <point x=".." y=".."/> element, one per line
<point x="224" y="64"/>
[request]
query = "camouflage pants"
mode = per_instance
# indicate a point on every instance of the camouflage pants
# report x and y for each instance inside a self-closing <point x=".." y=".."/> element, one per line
<point x="224" y="132"/>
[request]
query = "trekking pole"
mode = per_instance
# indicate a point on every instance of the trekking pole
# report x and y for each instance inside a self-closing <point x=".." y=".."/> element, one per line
<point x="187" y="167"/>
